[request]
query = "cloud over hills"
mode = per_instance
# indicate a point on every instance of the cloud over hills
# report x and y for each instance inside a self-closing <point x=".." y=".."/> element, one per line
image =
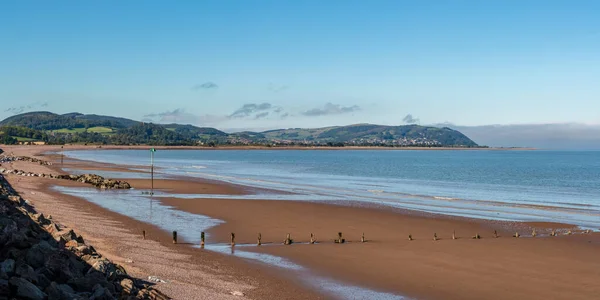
<point x="330" y="109"/>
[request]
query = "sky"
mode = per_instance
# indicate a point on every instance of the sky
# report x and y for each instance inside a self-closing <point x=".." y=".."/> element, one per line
<point x="277" y="64"/>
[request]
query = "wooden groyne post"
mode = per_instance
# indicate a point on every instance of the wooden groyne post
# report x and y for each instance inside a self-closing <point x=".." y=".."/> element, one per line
<point x="454" y="234"/>
<point x="174" y="237"/>
<point x="232" y="239"/>
<point x="259" y="242"/>
<point x="495" y="234"/>
<point x="144" y="234"/>
<point x="288" y="240"/>
<point x="340" y="240"/>
<point x="435" y="238"/>
<point x="202" y="239"/>
<point x="362" y="238"/>
<point x="312" y="238"/>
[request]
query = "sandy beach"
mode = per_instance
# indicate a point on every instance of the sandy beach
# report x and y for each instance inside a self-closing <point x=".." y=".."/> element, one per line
<point x="563" y="267"/>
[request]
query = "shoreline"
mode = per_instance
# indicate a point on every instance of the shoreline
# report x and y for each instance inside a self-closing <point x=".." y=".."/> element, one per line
<point x="423" y="268"/>
<point x="147" y="147"/>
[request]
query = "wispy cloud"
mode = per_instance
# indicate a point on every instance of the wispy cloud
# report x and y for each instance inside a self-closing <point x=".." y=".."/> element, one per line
<point x="205" y="86"/>
<point x="250" y="108"/>
<point x="261" y="115"/>
<point x="330" y="109"/>
<point x="179" y="115"/>
<point x="25" y="108"/>
<point x="409" y="119"/>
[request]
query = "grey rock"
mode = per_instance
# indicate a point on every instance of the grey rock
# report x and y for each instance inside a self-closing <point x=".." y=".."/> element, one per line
<point x="42" y="281"/>
<point x="37" y="255"/>
<point x="61" y="292"/>
<point x="107" y="268"/>
<point x="84" y="284"/>
<point x="26" y="289"/>
<point x="4" y="288"/>
<point x="7" y="268"/>
<point x="101" y="293"/>
<point x="26" y="272"/>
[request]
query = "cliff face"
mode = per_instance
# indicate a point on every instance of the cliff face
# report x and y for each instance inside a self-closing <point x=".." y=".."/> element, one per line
<point x="41" y="259"/>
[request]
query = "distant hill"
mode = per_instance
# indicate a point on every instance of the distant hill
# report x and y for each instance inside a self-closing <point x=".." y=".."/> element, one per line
<point x="97" y="129"/>
<point x="364" y="134"/>
<point x="44" y="120"/>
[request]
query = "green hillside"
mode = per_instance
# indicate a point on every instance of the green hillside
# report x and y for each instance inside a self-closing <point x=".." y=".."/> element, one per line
<point x="96" y="129"/>
<point x="50" y="121"/>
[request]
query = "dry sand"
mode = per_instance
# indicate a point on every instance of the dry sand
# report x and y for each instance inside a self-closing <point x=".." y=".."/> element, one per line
<point x="565" y="267"/>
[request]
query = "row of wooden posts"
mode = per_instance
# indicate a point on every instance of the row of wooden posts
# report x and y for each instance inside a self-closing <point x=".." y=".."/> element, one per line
<point x="340" y="240"/>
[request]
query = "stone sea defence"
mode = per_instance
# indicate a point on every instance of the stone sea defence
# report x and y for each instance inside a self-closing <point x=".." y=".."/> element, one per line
<point x="41" y="259"/>
<point x="11" y="158"/>
<point x="93" y="179"/>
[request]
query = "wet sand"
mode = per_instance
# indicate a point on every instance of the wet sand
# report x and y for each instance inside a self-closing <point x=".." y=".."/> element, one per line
<point x="564" y="267"/>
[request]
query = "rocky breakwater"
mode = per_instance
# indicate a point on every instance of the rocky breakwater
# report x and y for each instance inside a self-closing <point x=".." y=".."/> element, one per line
<point x="97" y="181"/>
<point x="11" y="158"/>
<point x="93" y="179"/>
<point x="41" y="259"/>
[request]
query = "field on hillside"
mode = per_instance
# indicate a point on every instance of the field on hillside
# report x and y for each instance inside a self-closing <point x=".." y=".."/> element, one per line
<point x="23" y="139"/>
<point x="97" y="129"/>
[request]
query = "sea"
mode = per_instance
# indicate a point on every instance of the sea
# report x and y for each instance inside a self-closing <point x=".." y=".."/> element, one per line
<point x="512" y="185"/>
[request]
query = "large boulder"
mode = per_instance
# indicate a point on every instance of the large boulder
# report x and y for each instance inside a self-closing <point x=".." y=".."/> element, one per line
<point x="4" y="289"/>
<point x="7" y="268"/>
<point x="101" y="293"/>
<point x="110" y="270"/>
<point x="38" y="254"/>
<point x="26" y="289"/>
<point x="57" y="291"/>
<point x="8" y="227"/>
<point x="86" y="283"/>
<point x="26" y="272"/>
<point x="64" y="266"/>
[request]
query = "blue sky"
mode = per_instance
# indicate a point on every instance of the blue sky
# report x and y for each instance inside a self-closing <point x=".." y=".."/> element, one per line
<point x="267" y="64"/>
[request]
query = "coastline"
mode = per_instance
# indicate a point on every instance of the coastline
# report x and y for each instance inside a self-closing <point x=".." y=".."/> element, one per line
<point x="189" y="273"/>
<point x="57" y="148"/>
<point x="462" y="269"/>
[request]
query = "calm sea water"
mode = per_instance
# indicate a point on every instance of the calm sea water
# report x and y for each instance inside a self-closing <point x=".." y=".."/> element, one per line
<point x="560" y="186"/>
